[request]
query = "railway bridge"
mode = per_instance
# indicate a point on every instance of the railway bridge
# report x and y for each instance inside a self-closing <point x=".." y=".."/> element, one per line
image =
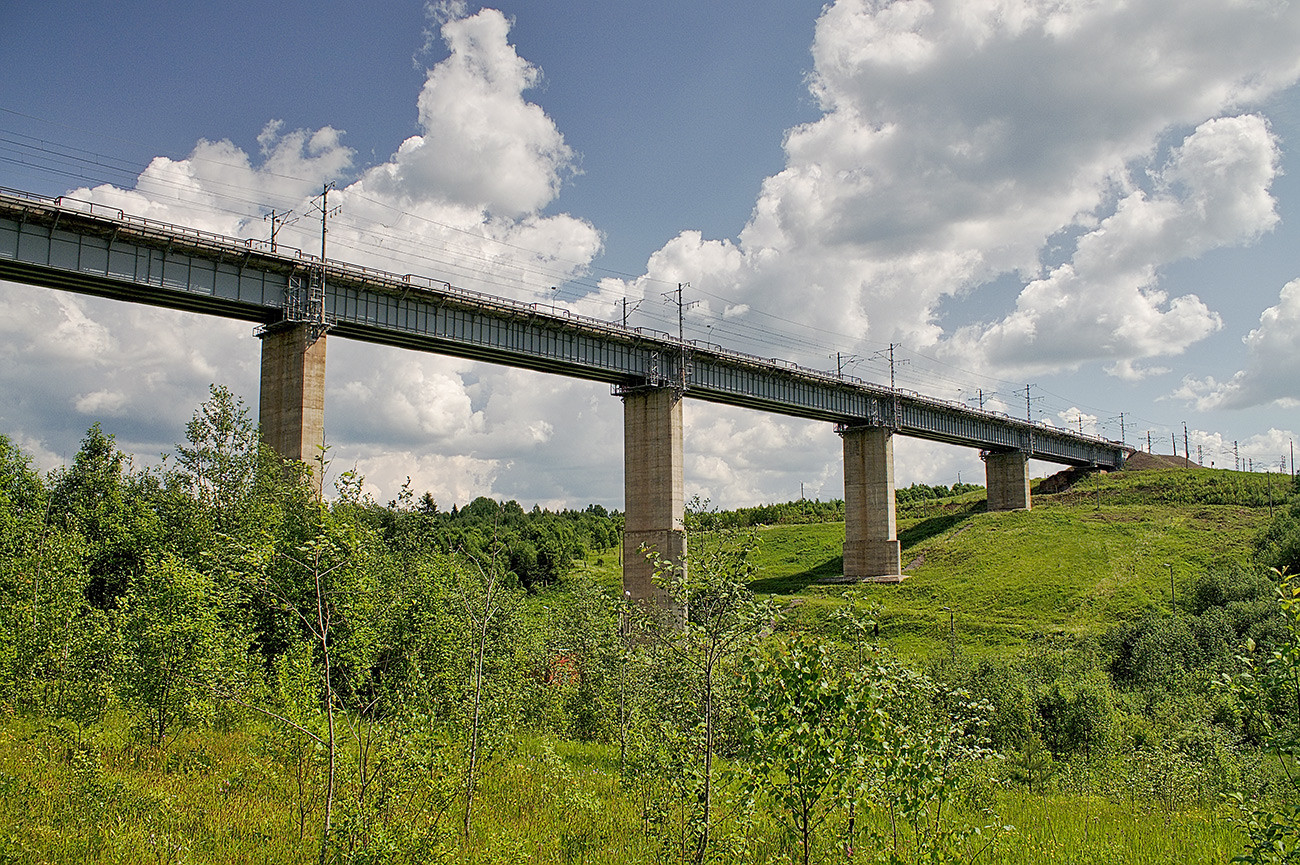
<point x="297" y="299"/>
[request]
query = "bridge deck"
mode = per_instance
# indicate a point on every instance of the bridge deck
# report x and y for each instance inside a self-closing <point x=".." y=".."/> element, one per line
<point x="78" y="247"/>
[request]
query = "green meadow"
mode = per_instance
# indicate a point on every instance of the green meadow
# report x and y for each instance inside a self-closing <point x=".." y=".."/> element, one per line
<point x="207" y="664"/>
<point x="212" y="798"/>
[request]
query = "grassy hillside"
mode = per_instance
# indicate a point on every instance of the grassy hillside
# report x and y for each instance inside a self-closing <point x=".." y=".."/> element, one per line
<point x="214" y="797"/>
<point x="160" y="701"/>
<point x="1080" y="561"/>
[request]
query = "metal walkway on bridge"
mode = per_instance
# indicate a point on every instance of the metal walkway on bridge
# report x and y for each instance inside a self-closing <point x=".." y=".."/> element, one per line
<point x="297" y="298"/>
<point x="91" y="249"/>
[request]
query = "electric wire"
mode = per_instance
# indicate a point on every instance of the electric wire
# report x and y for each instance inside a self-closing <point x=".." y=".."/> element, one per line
<point x="472" y="259"/>
<point x="760" y="339"/>
<point x="572" y="276"/>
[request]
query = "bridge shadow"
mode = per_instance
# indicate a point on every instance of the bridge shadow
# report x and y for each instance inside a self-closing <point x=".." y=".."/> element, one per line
<point x="937" y="525"/>
<point x="832" y="570"/>
<point x="789" y="584"/>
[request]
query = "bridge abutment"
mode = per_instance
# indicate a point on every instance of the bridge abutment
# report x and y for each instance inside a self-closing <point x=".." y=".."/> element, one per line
<point x="1007" y="481"/>
<point x="871" y="548"/>
<point x="653" y="497"/>
<point x="291" y="403"/>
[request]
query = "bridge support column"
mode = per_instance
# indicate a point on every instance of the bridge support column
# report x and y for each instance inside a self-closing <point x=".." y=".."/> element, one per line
<point x="1007" y="481"/>
<point x="291" y="405"/>
<point x="871" y="548"/>
<point x="653" y="498"/>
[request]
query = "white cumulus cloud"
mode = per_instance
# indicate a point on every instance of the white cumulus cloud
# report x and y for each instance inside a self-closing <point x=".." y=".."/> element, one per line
<point x="1039" y="161"/>
<point x="1272" y="361"/>
<point x="1106" y="303"/>
<point x="483" y="145"/>
<point x="463" y="198"/>
<point x="964" y="142"/>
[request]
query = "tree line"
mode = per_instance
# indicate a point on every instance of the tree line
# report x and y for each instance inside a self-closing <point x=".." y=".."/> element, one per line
<point x="392" y="657"/>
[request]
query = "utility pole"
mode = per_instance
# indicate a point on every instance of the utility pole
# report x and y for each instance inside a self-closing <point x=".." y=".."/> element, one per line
<point x="952" y="631"/>
<point x="681" y="314"/>
<point x="894" y="418"/>
<point x="1187" y="452"/>
<point x="1148" y="441"/>
<point x="841" y="359"/>
<point x="1121" y="429"/>
<point x="625" y="311"/>
<point x="278" y="221"/>
<point x="980" y="397"/>
<point x="892" y="390"/>
<point x="1173" y="440"/>
<point x="1029" y="418"/>
<point x="1236" y="456"/>
<point x="681" y="326"/>
<point x="1200" y="457"/>
<point x="325" y="214"/>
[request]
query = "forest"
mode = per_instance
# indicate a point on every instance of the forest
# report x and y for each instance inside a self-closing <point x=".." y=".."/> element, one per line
<point x="205" y="661"/>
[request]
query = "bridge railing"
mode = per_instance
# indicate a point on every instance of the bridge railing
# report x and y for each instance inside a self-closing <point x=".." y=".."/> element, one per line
<point x="159" y="230"/>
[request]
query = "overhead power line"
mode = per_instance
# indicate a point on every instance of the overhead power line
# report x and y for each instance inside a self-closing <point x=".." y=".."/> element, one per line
<point x="506" y="267"/>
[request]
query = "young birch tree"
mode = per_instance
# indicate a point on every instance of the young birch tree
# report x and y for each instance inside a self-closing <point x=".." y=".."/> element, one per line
<point x="713" y="618"/>
<point x="1267" y="688"/>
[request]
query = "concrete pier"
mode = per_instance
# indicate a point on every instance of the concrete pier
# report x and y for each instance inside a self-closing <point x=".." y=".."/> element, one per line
<point x="653" y="497"/>
<point x="291" y="405"/>
<point x="871" y="549"/>
<point x="1007" y="481"/>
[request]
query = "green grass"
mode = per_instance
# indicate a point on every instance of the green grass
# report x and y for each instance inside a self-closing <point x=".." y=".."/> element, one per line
<point x="604" y="567"/>
<point x="1076" y="564"/>
<point x="212" y="799"/>
<point x="1089" y="830"/>
<point x="1180" y="487"/>
<point x="207" y="799"/>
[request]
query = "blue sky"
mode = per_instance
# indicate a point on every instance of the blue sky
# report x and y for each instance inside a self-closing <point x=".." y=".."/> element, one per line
<point x="1100" y="200"/>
